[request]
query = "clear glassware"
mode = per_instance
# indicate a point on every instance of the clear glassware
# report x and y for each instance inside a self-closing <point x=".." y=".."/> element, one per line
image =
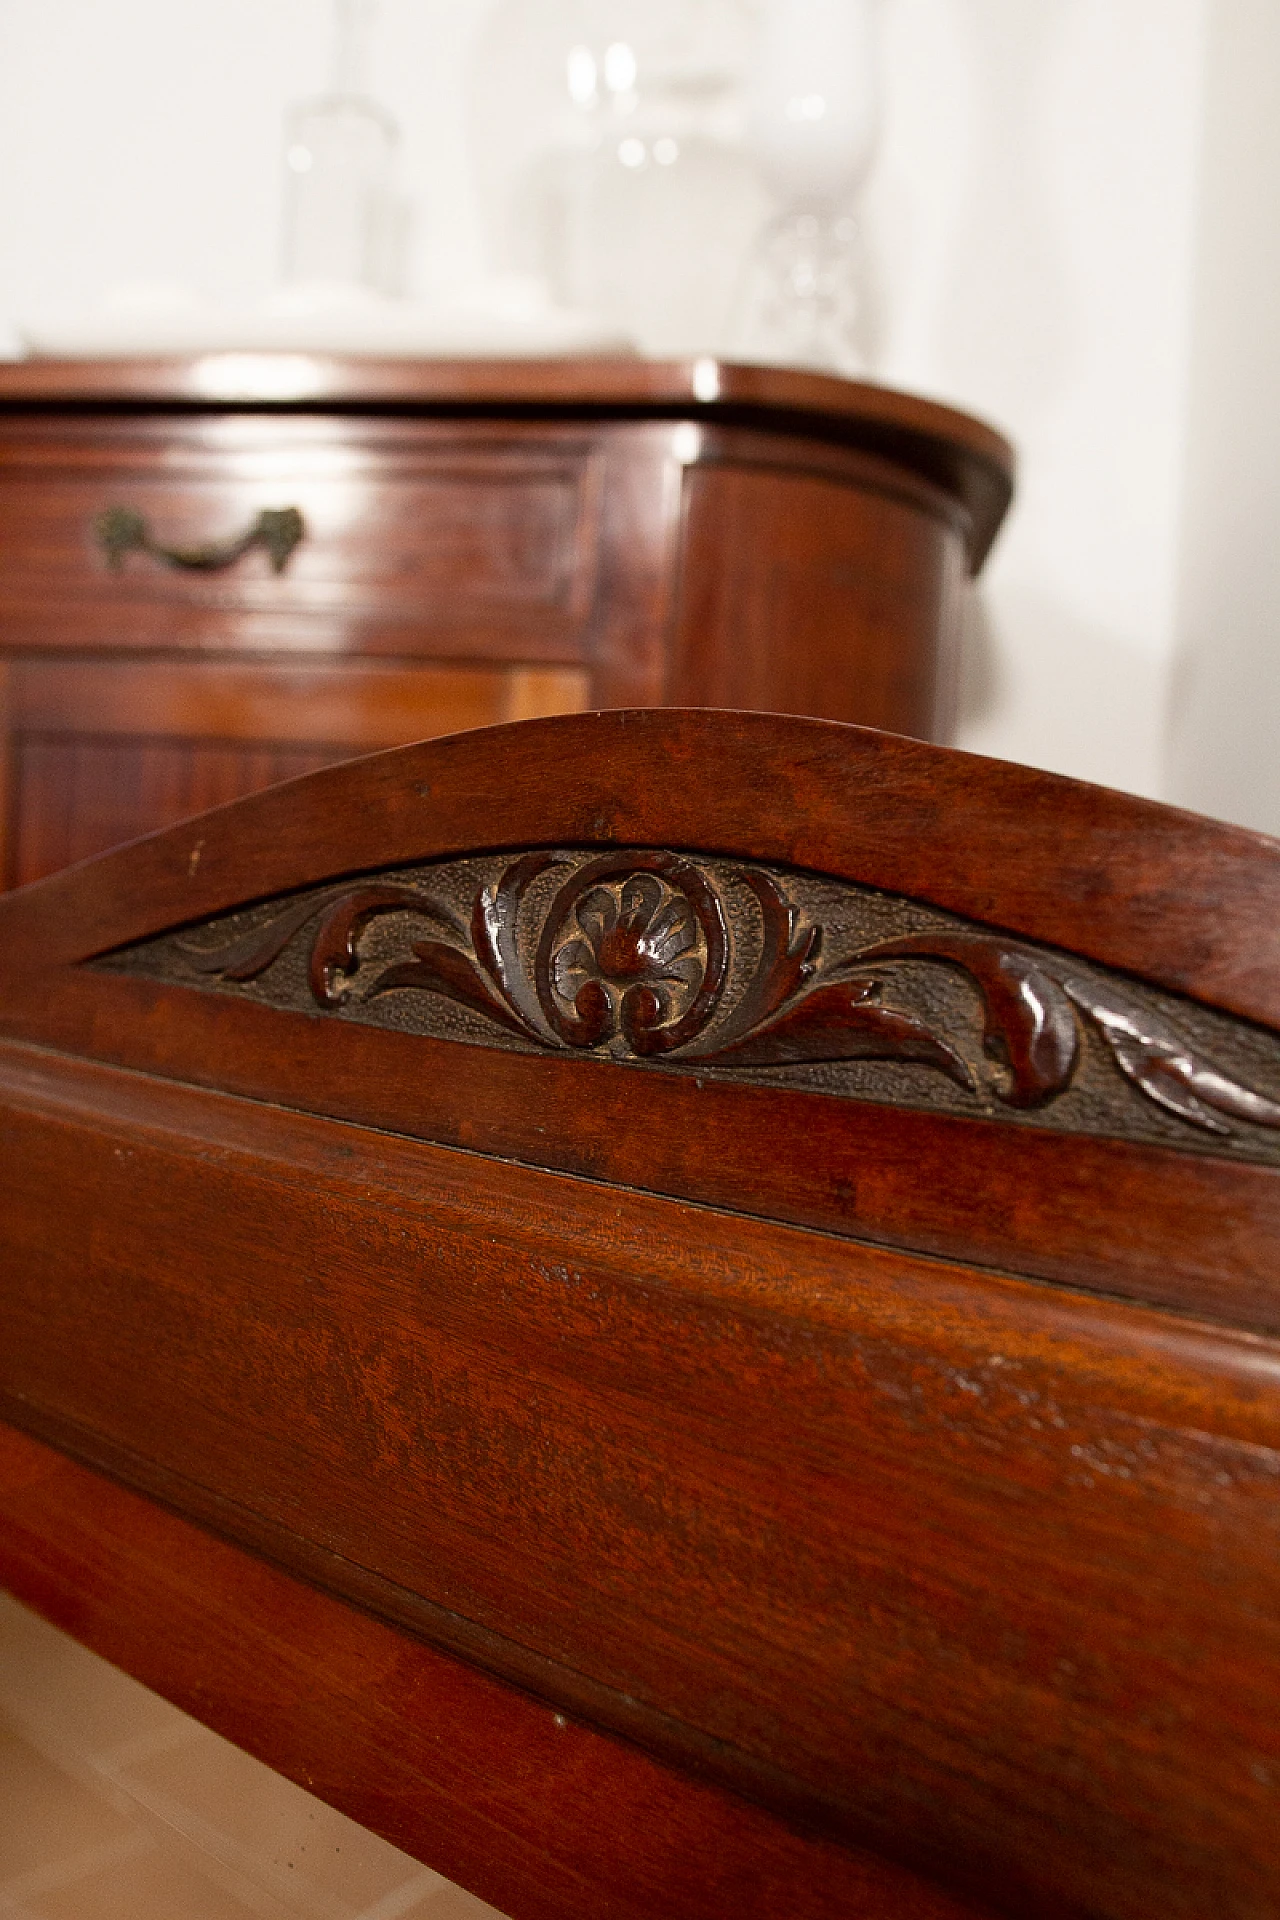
<point x="342" y="214"/>
<point x="642" y="206"/>
<point x="811" y="127"/>
<point x="803" y="300"/>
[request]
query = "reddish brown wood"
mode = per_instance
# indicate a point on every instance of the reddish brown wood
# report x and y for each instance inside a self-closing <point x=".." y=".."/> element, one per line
<point x="795" y="543"/>
<point x="967" y="1569"/>
<point x="539" y="1430"/>
<point x="530" y="1808"/>
<point x="962" y="454"/>
<point x="1149" y="889"/>
<point x="99" y="749"/>
<point x="420" y="537"/>
<point x="355" y="707"/>
<point x="1065" y="1209"/>
<point x="791" y="607"/>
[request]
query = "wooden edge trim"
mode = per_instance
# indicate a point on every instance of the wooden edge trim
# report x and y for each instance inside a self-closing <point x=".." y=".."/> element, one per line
<point x="95" y="1097"/>
<point x="1184" y="1231"/>
<point x="741" y="450"/>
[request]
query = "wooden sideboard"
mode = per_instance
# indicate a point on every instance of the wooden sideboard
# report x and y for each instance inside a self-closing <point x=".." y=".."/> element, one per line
<point x="218" y="573"/>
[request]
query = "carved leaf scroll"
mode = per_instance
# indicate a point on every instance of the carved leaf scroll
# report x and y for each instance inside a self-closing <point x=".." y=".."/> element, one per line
<point x="1160" y="1063"/>
<point x="632" y="954"/>
<point x="335" y="949"/>
<point x="1030" y="1028"/>
<point x="843" y="1021"/>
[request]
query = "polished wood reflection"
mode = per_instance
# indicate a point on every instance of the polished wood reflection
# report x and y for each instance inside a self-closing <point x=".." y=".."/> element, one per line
<point x="502" y="542"/>
<point x="636" y="1477"/>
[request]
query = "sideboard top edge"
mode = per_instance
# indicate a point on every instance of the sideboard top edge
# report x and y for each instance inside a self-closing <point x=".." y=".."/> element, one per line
<point x="968" y="458"/>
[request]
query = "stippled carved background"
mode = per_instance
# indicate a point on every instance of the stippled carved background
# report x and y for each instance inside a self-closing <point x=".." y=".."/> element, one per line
<point x="699" y="965"/>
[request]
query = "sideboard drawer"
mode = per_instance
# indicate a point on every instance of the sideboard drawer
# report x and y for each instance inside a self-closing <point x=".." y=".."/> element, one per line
<point x="412" y="541"/>
<point x="453" y="544"/>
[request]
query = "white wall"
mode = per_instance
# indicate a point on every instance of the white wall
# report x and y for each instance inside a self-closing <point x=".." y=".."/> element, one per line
<point x="1040" y="172"/>
<point x="1031" y="217"/>
<point x="141" y="139"/>
<point x="1225" y="717"/>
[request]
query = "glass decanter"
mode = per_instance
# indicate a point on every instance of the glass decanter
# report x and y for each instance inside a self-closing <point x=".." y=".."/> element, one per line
<point x="644" y="205"/>
<point x="812" y="122"/>
<point x="342" y="216"/>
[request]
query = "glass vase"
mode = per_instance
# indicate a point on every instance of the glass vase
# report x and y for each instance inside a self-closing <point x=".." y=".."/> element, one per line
<point x="812" y="122"/>
<point x="342" y="214"/>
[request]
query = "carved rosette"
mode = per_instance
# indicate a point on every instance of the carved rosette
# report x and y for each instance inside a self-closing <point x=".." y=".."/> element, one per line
<point x="684" y="961"/>
<point x="637" y="949"/>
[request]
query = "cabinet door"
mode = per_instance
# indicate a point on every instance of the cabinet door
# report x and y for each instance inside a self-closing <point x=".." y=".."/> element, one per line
<point x="96" y="752"/>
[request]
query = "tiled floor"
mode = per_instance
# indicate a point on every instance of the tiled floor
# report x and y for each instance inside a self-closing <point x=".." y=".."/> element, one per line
<point x="115" y="1806"/>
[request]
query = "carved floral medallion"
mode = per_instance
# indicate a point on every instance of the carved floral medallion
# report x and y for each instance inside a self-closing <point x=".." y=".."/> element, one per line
<point x="716" y="966"/>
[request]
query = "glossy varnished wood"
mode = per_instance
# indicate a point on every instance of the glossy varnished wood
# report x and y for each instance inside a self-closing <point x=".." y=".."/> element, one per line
<point x="96" y="747"/>
<point x="770" y="572"/>
<point x="532" y="1809"/>
<point x="417" y="536"/>
<point x="956" y="1552"/>
<point x="708" y="534"/>
<point x="1149" y="889"/>
<point x="952" y="449"/>
<point x="527" y="1442"/>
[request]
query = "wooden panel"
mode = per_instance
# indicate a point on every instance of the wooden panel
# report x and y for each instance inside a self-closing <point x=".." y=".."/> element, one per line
<point x="507" y="1409"/>
<point x="360" y="707"/>
<point x="802" y="594"/>
<point x="639" y="555"/>
<point x="530" y="1808"/>
<point x="77" y="797"/>
<point x="1191" y="903"/>
<point x="971" y="1570"/>
<point x="1069" y="1210"/>
<point x="100" y="752"/>
<point x="416" y="541"/>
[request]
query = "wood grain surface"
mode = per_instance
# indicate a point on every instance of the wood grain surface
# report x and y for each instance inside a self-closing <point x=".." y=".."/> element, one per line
<point x="708" y="534"/>
<point x="582" y="1381"/>
<point x="952" y="448"/>
<point x="531" y="1808"/>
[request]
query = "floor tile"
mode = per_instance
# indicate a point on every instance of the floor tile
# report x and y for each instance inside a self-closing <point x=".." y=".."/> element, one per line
<point x="207" y="1789"/>
<point x="162" y="1884"/>
<point x="444" y="1902"/>
<point x="45" y="1815"/>
<point x="116" y="1806"/>
<point x="66" y="1696"/>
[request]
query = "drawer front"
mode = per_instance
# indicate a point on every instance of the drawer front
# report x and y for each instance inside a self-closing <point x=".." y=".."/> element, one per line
<point x="455" y="542"/>
<point x="97" y="752"/>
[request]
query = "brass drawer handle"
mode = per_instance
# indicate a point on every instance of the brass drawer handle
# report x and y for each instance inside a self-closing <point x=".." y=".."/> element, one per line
<point x="121" y="530"/>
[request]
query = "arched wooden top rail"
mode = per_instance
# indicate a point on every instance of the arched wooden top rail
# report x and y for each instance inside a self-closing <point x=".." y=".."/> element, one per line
<point x="678" y="1311"/>
<point x="1187" y="902"/>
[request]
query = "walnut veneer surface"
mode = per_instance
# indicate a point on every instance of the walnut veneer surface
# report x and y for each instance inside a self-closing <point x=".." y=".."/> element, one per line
<point x="447" y="545"/>
<point x="675" y="1311"/>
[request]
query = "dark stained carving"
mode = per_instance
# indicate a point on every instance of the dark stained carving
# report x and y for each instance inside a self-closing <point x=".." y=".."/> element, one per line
<point x="637" y="947"/>
<point x="718" y="966"/>
<point x="1030" y="1028"/>
<point x="335" y="950"/>
<point x="843" y="1022"/>
<point x="1158" y="1060"/>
